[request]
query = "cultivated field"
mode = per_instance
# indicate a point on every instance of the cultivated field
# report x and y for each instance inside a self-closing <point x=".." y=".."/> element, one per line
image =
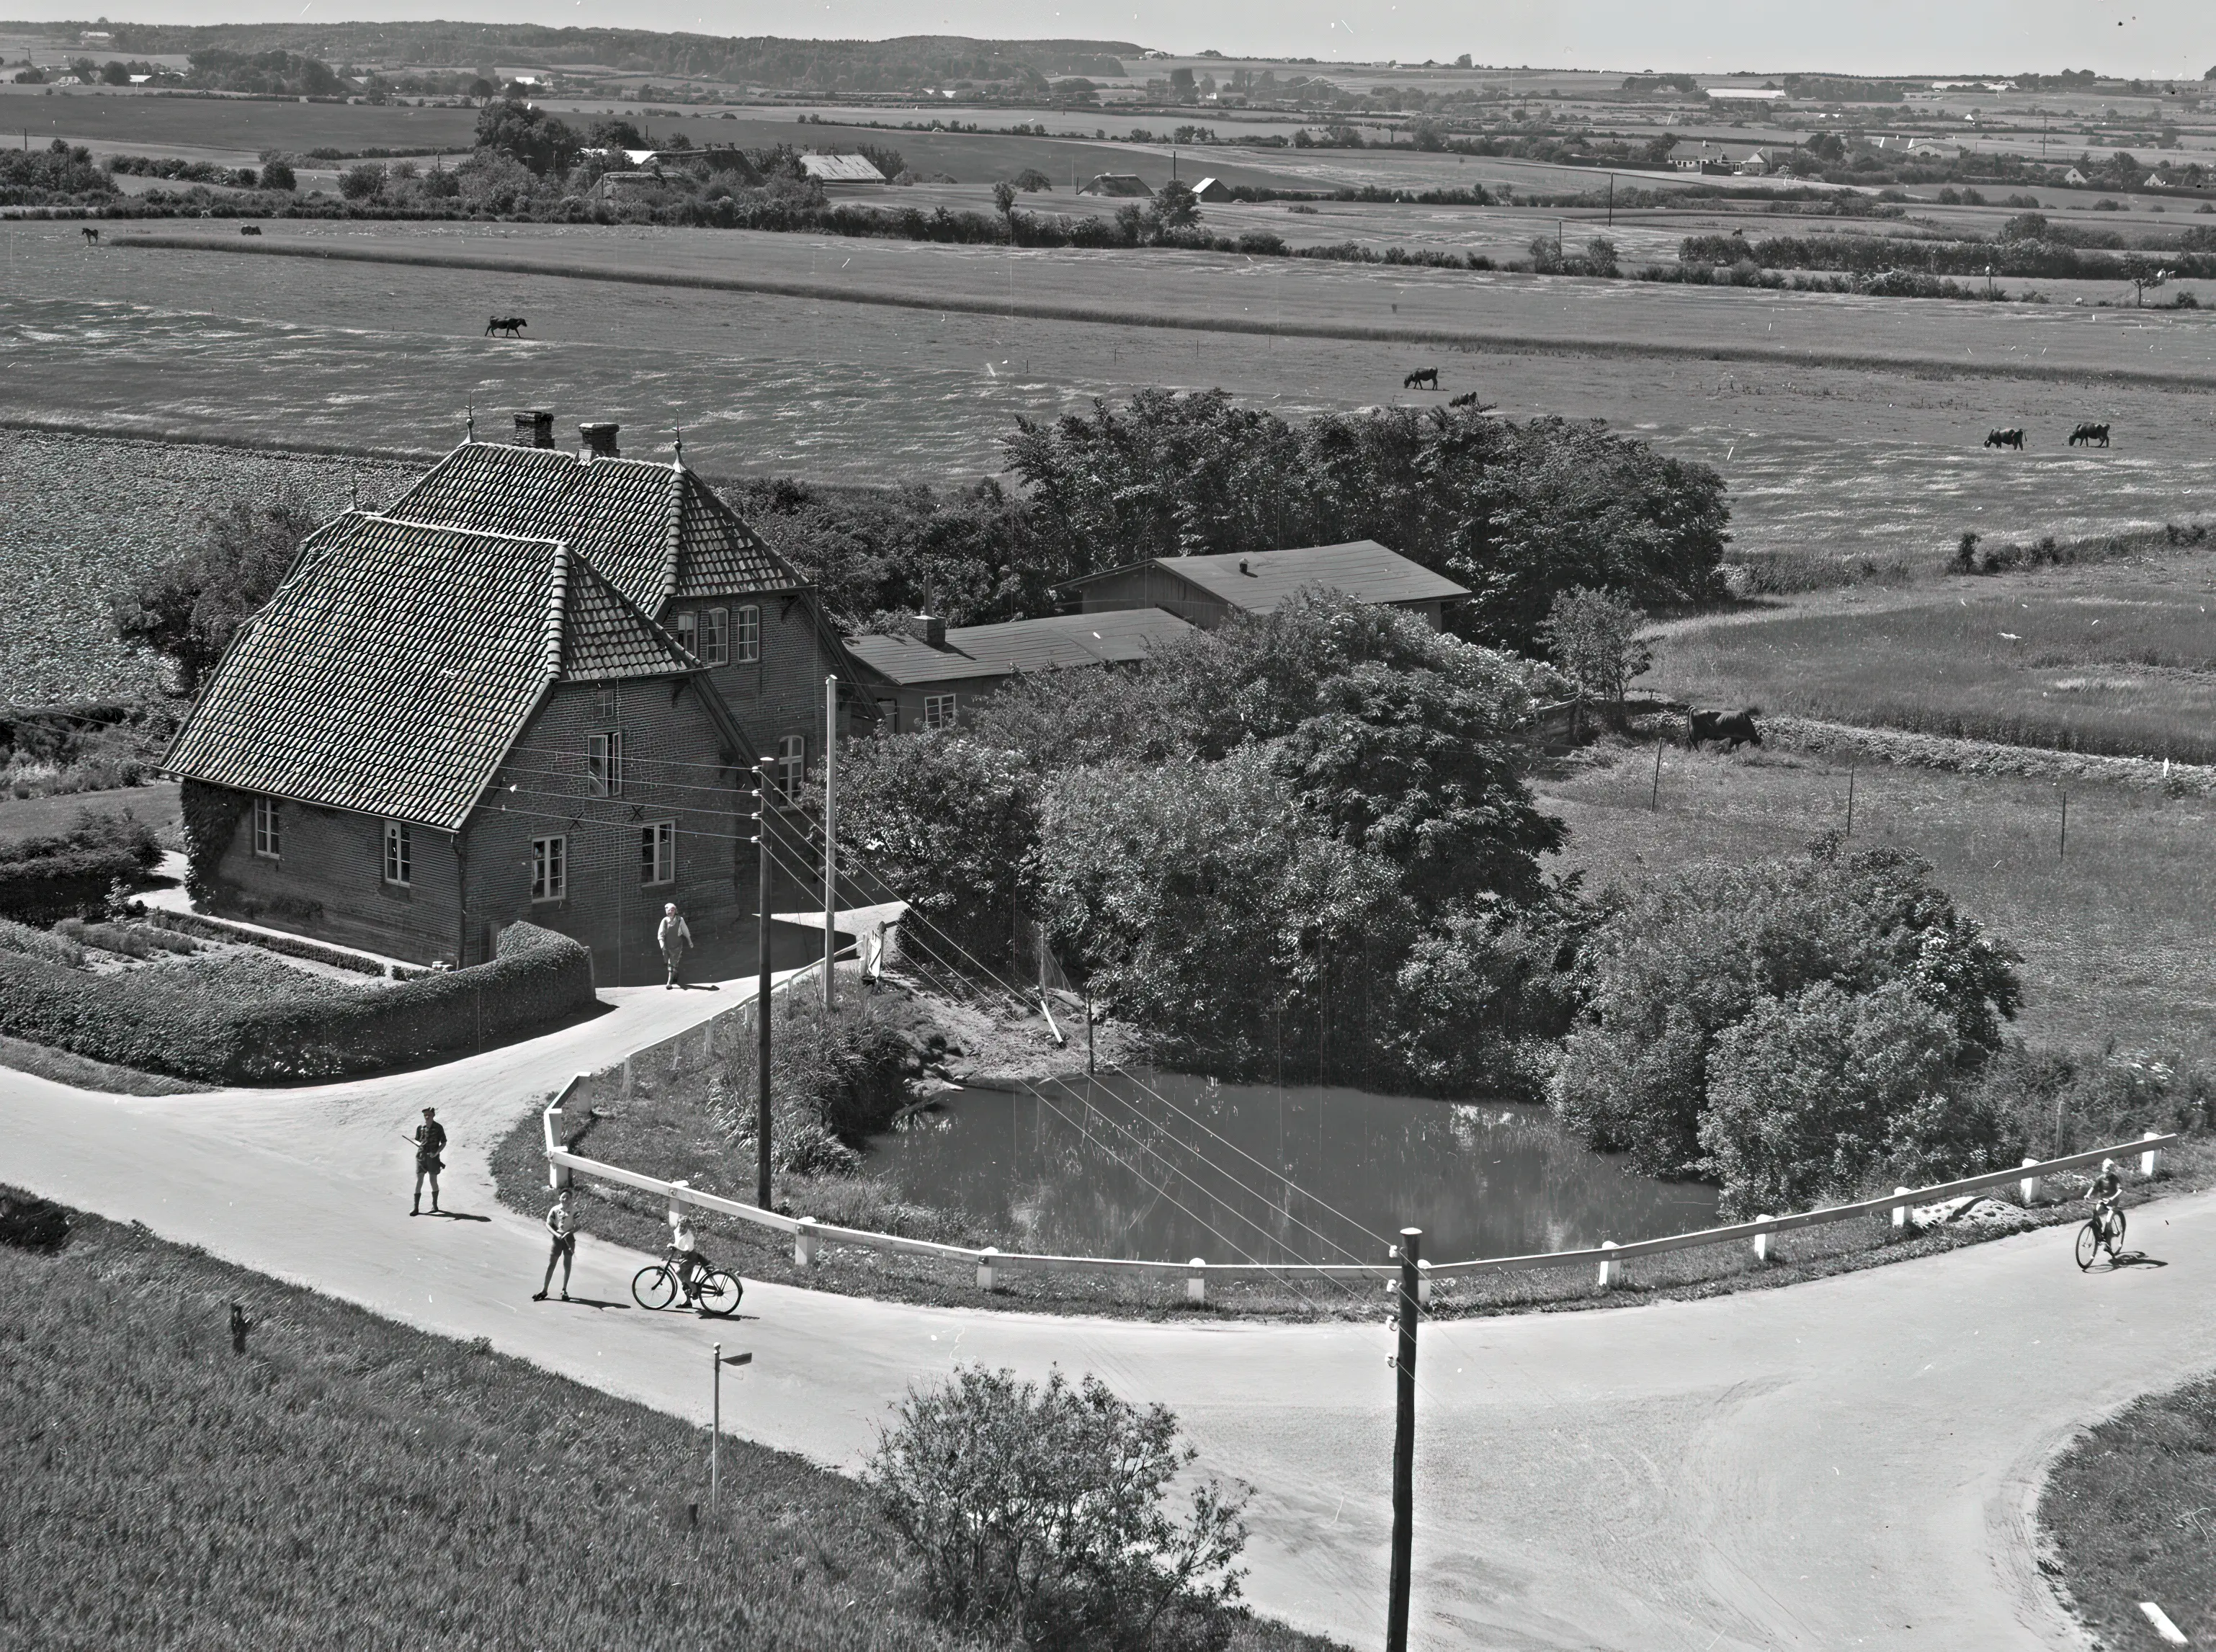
<point x="2118" y="659"/>
<point x="2115" y="933"/>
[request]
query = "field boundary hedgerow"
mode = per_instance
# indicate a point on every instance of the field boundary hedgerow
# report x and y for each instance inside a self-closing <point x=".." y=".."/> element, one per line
<point x="1918" y="367"/>
<point x="1988" y="757"/>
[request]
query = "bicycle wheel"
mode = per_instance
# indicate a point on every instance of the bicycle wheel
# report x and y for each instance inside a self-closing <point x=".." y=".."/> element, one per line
<point x="653" y="1287"/>
<point x="2088" y="1244"/>
<point x="719" y="1295"/>
<point x="2116" y="1234"/>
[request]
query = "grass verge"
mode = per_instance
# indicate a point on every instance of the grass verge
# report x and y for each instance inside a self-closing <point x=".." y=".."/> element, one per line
<point x="165" y="1490"/>
<point x="83" y="1073"/>
<point x="2125" y="1518"/>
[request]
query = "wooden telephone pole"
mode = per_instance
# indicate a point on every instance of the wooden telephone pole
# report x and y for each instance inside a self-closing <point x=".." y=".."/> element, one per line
<point x="1404" y="1444"/>
<point x="762" y="986"/>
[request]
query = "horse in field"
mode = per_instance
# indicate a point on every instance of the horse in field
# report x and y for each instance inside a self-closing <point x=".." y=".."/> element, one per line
<point x="1421" y="376"/>
<point x="90" y="235"/>
<point x="2089" y="435"/>
<point x="250" y="229"/>
<point x="506" y="326"/>
<point x="2006" y="439"/>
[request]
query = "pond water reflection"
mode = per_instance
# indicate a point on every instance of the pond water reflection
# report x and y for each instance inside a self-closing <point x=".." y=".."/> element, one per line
<point x="1126" y="1165"/>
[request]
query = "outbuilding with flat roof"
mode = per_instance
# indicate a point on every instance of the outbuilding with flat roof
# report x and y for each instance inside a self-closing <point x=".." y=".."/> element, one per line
<point x="929" y="677"/>
<point x="1208" y="590"/>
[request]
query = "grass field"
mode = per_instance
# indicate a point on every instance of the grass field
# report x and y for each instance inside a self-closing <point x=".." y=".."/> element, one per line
<point x="2117" y="659"/>
<point x="1848" y="461"/>
<point x="164" y="1490"/>
<point x="2125" y="1509"/>
<point x="2114" y="933"/>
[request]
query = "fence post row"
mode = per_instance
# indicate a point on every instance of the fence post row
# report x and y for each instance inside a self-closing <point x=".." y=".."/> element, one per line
<point x="1196" y="1282"/>
<point x="1611" y="1271"/>
<point x="804" y="1243"/>
<point x="1900" y="1210"/>
<point x="2151" y="1161"/>
<point x="2028" y="1189"/>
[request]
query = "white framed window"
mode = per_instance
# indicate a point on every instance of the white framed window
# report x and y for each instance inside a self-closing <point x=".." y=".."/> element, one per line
<point x="399" y="853"/>
<point x="269" y="839"/>
<point x="792" y="766"/>
<point x="603" y="765"/>
<point x="604" y="703"/>
<point x="657" y="852"/>
<point x="687" y="627"/>
<point x="549" y="868"/>
<point x="745" y="635"/>
<point x="715" y="637"/>
<point x="939" y="711"/>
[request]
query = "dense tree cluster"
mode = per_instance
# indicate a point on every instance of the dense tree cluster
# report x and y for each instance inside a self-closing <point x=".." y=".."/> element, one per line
<point x="60" y="172"/>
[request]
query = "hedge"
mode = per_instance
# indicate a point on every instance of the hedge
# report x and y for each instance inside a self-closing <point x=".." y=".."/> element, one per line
<point x="539" y="980"/>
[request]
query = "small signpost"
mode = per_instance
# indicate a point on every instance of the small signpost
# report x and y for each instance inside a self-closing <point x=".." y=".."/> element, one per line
<point x="715" y="1430"/>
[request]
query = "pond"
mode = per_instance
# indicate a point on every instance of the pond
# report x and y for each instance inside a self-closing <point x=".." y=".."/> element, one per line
<point x="1168" y="1166"/>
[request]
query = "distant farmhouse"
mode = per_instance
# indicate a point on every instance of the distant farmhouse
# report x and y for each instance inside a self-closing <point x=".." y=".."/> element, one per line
<point x="841" y="169"/>
<point x="928" y="677"/>
<point x="1209" y="591"/>
<point x="1212" y="189"/>
<point x="533" y="688"/>
<point x="1127" y="185"/>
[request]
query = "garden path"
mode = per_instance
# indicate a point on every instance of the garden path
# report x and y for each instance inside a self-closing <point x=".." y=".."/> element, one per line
<point x="1850" y="1462"/>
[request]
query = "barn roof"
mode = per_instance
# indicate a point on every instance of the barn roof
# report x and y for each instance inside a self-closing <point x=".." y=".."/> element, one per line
<point x="656" y="530"/>
<point x="1057" y="643"/>
<point x="1117" y="183"/>
<point x="400" y="660"/>
<point x="1259" y="581"/>
<point x="841" y="169"/>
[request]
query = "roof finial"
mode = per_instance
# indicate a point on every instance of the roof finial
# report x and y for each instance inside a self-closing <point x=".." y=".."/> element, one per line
<point x="680" y="446"/>
<point x="354" y="487"/>
<point x="473" y="421"/>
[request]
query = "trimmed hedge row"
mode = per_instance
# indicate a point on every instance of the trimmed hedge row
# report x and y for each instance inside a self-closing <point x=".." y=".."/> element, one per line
<point x="51" y="887"/>
<point x="539" y="980"/>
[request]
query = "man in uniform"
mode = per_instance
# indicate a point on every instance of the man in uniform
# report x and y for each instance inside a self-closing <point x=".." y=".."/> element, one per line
<point x="430" y="1143"/>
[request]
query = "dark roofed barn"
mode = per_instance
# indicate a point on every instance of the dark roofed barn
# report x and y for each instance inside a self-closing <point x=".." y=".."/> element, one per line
<point x="1208" y="590"/>
<point x="1127" y="185"/>
<point x="929" y="677"/>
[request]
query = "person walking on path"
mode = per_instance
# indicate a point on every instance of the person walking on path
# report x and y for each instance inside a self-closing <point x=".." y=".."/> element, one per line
<point x="430" y="1143"/>
<point x="673" y="936"/>
<point x="559" y="1225"/>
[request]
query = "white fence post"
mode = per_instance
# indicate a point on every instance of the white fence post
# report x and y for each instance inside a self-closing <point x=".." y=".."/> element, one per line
<point x="2030" y="1185"/>
<point x="1611" y="1271"/>
<point x="2151" y="1161"/>
<point x="804" y="1243"/>
<point x="708" y="1041"/>
<point x="1763" y="1242"/>
<point x="1423" y="1282"/>
<point x="1196" y="1281"/>
<point x="557" y="1176"/>
<point x="984" y="1267"/>
<point x="1900" y="1212"/>
<point x="626" y="1079"/>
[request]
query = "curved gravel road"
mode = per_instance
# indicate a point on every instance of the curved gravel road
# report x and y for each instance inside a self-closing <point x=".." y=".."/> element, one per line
<point x="1847" y="1463"/>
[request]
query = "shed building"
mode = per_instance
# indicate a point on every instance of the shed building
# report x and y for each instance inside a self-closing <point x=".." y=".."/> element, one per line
<point x="930" y="677"/>
<point x="841" y="169"/>
<point x="1130" y="185"/>
<point x="1208" y="590"/>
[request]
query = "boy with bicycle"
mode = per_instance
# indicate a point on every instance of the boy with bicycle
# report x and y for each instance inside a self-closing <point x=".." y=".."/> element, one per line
<point x="2106" y="1194"/>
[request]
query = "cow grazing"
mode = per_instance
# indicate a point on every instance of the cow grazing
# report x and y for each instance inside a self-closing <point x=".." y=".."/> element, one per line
<point x="90" y="234"/>
<point x="2089" y="435"/>
<point x="1468" y="398"/>
<point x="506" y="326"/>
<point x="250" y="229"/>
<point x="1421" y="376"/>
<point x="2006" y="439"/>
<point x="1733" y="729"/>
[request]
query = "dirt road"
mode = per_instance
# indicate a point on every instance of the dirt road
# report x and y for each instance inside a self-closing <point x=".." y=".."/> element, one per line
<point x="1850" y="1463"/>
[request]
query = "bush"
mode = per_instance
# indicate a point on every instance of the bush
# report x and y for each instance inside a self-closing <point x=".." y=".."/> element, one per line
<point x="362" y="182"/>
<point x="41" y="943"/>
<point x="835" y="1082"/>
<point x="130" y="940"/>
<point x="43" y="879"/>
<point x="191" y="1020"/>
<point x="277" y="174"/>
<point x="1675" y="968"/>
<point x="1037" y="1514"/>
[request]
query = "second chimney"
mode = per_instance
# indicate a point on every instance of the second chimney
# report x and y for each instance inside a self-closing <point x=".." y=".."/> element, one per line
<point x="534" y="428"/>
<point x="600" y="439"/>
<point x="927" y="628"/>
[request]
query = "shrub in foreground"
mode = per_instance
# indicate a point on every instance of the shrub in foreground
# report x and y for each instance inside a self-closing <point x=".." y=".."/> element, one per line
<point x="1039" y="1512"/>
<point x="43" y="879"/>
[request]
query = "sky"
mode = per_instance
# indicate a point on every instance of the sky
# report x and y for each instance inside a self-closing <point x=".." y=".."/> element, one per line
<point x="2150" y="38"/>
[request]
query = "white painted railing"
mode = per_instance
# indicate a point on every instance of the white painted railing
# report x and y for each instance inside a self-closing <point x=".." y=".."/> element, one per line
<point x="1610" y="1257"/>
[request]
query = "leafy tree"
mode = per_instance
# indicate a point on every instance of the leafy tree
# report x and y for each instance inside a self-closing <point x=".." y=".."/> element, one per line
<point x="363" y="182"/>
<point x="887" y="159"/>
<point x="187" y="608"/>
<point x="1593" y="638"/>
<point x="1004" y="197"/>
<point x="1038" y="1514"/>
<point x="1813" y="1096"/>
<point x="1675" y="967"/>
<point x="1031" y="181"/>
<point x="115" y="73"/>
<point x="617" y="133"/>
<point x="1175" y="207"/>
<point x="948" y="823"/>
<point x="526" y="134"/>
<point x="1517" y="513"/>
<point x="1827" y="146"/>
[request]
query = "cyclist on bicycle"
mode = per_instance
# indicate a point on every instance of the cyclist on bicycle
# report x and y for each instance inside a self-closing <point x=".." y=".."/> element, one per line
<point x="685" y="1260"/>
<point x="2106" y="1194"/>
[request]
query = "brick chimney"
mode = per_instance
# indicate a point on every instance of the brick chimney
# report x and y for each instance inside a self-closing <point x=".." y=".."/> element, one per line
<point x="927" y="628"/>
<point x="599" y="440"/>
<point x="534" y="427"/>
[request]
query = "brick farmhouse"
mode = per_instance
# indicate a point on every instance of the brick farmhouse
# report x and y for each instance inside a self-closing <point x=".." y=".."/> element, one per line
<point x="535" y="686"/>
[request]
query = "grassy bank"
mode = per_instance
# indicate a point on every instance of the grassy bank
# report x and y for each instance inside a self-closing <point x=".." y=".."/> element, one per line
<point x="2125" y="1518"/>
<point x="165" y="1490"/>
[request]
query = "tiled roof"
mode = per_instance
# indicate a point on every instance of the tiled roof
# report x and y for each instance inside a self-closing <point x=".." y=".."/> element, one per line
<point x="656" y="530"/>
<point x="1260" y="580"/>
<point x="1052" y="645"/>
<point x="399" y="661"/>
<point x="841" y="169"/>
